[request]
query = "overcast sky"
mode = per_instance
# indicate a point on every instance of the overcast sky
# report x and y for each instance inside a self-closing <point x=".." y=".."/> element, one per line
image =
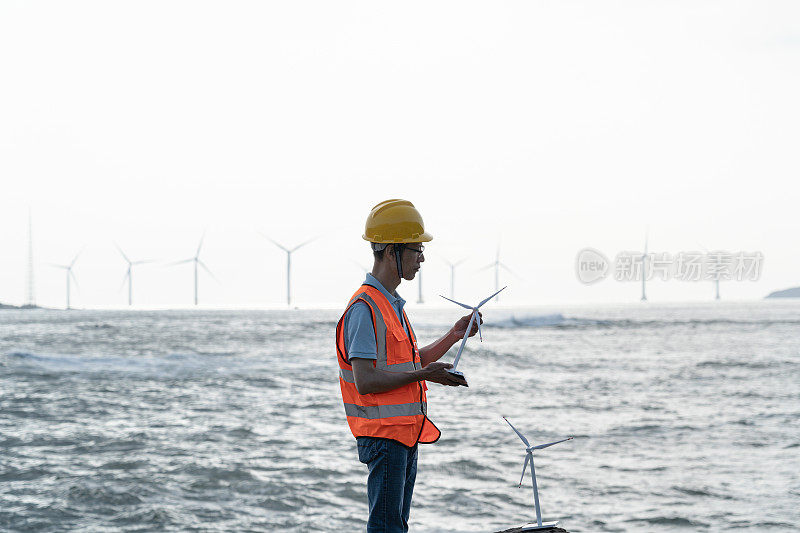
<point x="545" y="126"/>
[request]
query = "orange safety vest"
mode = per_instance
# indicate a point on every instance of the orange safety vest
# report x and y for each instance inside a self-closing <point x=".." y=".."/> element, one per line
<point x="399" y="414"/>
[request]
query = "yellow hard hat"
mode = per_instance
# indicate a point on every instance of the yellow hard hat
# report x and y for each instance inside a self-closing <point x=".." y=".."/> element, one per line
<point x="395" y="221"/>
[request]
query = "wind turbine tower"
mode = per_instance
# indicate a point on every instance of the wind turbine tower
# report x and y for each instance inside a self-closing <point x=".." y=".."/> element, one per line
<point x="196" y="260"/>
<point x="644" y="267"/>
<point x="453" y="276"/>
<point x="70" y="276"/>
<point x="419" y="288"/>
<point x="289" y="252"/>
<point x="129" y="277"/>
<point x="31" y="296"/>
<point x="496" y="264"/>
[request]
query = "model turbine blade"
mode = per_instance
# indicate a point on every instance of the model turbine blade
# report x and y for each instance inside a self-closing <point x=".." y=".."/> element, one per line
<point x="465" y="306"/>
<point x="527" y="444"/>
<point x="490" y="297"/>
<point x="539" y="447"/>
<point x="524" y="468"/>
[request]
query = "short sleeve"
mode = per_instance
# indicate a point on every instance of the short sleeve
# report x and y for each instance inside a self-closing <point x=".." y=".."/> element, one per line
<point x="359" y="332"/>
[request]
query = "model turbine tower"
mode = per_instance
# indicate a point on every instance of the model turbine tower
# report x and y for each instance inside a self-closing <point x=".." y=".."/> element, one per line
<point x="474" y="318"/>
<point x="289" y="252"/>
<point x="529" y="459"/>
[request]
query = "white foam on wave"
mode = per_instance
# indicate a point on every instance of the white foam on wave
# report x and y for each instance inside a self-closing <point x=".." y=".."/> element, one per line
<point x="529" y="321"/>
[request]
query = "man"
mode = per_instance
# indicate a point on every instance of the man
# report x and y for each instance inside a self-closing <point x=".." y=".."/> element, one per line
<point x="382" y="373"/>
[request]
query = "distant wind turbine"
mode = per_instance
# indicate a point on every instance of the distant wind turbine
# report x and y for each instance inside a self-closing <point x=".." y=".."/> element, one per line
<point x="196" y="261"/>
<point x="70" y="276"/>
<point x="453" y="275"/>
<point x="497" y="265"/>
<point x="289" y="252"/>
<point x="419" y="287"/>
<point x="716" y="280"/>
<point x="644" y="266"/>
<point x="529" y="449"/>
<point x="128" y="276"/>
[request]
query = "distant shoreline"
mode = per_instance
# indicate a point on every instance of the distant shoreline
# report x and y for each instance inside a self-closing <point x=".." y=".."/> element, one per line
<point x="26" y="306"/>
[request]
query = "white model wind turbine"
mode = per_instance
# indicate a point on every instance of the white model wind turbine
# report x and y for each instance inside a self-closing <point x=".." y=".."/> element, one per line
<point x="70" y="275"/>
<point x="196" y="261"/>
<point x="644" y="266"/>
<point x="496" y="264"/>
<point x="529" y="459"/>
<point x="128" y="276"/>
<point x="475" y="317"/>
<point x="453" y="276"/>
<point x="289" y="252"/>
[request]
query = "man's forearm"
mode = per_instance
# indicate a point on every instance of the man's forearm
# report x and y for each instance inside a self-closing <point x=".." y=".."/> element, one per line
<point x="381" y="380"/>
<point x="437" y="349"/>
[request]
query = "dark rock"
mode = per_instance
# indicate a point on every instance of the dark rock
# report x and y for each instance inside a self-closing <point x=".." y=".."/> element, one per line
<point x="519" y="530"/>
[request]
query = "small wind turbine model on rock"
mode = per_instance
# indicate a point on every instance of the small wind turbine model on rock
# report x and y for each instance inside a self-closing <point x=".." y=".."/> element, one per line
<point x="529" y="458"/>
<point x="473" y="318"/>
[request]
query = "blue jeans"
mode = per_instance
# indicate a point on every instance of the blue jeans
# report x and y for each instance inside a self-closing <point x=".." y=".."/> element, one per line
<point x="392" y="472"/>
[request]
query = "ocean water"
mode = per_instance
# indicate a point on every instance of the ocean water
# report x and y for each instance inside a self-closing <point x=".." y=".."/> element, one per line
<point x="685" y="417"/>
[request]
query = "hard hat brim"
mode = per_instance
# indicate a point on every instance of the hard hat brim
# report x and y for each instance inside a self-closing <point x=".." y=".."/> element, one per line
<point x="425" y="237"/>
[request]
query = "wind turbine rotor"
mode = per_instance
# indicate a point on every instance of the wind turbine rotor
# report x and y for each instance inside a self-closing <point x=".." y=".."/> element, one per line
<point x="276" y="243"/>
<point x="465" y="306"/>
<point x="541" y="446"/>
<point x="200" y="246"/>
<point x="521" y="436"/>
<point x="191" y="259"/>
<point x="125" y="257"/>
<point x="207" y="270"/>
<point x="309" y="241"/>
<point x="528" y="457"/>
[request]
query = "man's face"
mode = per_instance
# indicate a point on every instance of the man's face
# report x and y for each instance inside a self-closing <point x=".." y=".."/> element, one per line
<point x="412" y="259"/>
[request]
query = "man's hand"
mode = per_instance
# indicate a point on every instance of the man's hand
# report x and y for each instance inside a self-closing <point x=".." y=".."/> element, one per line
<point x="437" y="373"/>
<point x="461" y="326"/>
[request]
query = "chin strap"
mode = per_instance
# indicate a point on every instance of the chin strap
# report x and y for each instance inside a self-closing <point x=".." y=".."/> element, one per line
<point x="398" y="253"/>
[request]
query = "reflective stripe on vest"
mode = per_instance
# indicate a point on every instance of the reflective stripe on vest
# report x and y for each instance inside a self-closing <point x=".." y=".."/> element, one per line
<point x="385" y="411"/>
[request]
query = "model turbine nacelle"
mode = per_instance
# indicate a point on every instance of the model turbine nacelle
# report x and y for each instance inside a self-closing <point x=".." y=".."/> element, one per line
<point x="475" y="317"/>
<point x="529" y="449"/>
